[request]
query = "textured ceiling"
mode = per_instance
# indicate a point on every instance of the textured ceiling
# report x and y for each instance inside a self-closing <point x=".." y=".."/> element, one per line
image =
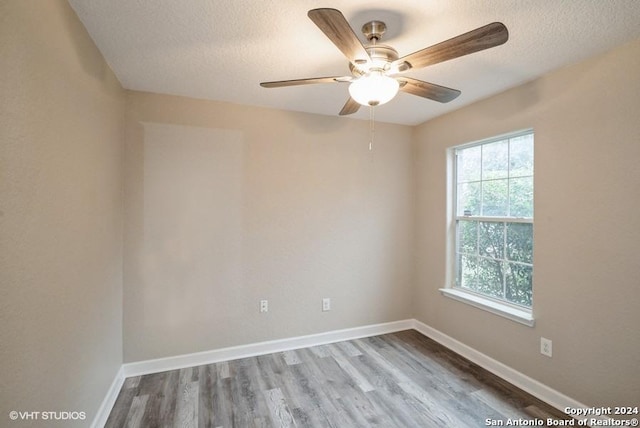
<point x="222" y="49"/>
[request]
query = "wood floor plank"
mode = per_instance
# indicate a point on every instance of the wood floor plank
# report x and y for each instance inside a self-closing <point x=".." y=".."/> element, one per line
<point x="292" y="387"/>
<point x="138" y="405"/>
<point x="118" y="416"/>
<point x="280" y="413"/>
<point x="316" y="400"/>
<point x="242" y="397"/>
<point x="309" y="365"/>
<point x="353" y="409"/>
<point x="321" y="351"/>
<point x="207" y="378"/>
<point x="415" y="365"/>
<point x="223" y="369"/>
<point x="349" y="349"/>
<point x="500" y="403"/>
<point x="399" y="410"/>
<point x="266" y="370"/>
<point x="168" y="397"/>
<point x="350" y="369"/>
<point x="399" y="380"/>
<point x="403" y="408"/>
<point x="131" y="382"/>
<point x="291" y="357"/>
<point x="259" y="382"/>
<point x="387" y="365"/>
<point x="433" y="409"/>
<point x="161" y="403"/>
<point x="187" y="401"/>
<point x="223" y="403"/>
<point x="448" y="363"/>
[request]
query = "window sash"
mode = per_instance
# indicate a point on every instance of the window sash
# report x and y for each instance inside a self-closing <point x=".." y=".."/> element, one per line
<point x="503" y="258"/>
<point x="457" y="218"/>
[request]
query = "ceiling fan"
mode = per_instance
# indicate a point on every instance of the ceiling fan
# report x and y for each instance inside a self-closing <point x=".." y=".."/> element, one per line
<point x="377" y="71"/>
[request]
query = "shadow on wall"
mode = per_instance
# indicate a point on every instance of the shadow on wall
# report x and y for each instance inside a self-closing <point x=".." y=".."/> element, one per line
<point x="87" y="54"/>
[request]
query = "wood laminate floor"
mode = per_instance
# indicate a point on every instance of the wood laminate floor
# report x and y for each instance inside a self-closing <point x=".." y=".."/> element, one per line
<point x="402" y="380"/>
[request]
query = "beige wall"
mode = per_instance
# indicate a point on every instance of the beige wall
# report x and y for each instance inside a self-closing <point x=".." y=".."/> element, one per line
<point x="586" y="234"/>
<point x="260" y="204"/>
<point x="61" y="156"/>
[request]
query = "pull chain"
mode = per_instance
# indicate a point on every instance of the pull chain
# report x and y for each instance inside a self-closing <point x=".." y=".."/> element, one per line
<point x="371" y="127"/>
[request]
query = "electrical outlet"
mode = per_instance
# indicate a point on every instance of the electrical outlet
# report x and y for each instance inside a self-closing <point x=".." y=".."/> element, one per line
<point x="264" y="306"/>
<point x="326" y="304"/>
<point x="546" y="347"/>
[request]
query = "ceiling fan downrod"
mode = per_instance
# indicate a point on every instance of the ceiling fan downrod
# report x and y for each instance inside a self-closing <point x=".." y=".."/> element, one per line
<point x="373" y="30"/>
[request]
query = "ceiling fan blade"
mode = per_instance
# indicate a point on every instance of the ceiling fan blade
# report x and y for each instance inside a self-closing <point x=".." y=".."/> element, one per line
<point x="486" y="37"/>
<point x="350" y="107"/>
<point x="335" y="26"/>
<point x="428" y="90"/>
<point x="296" y="82"/>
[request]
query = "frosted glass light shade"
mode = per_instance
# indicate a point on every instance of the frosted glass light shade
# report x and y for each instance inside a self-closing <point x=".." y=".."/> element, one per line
<point x="373" y="89"/>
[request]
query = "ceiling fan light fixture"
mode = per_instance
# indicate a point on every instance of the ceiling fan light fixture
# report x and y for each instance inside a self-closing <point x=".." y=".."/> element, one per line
<point x="373" y="66"/>
<point x="374" y="88"/>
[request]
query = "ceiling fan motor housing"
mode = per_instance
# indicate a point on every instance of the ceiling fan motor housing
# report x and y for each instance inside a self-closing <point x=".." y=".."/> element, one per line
<point x="381" y="58"/>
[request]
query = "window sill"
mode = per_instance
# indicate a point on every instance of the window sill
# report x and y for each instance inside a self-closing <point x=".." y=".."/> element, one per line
<point x="514" y="314"/>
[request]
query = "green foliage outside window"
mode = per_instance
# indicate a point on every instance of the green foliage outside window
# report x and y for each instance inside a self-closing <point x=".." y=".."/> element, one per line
<point x="494" y="243"/>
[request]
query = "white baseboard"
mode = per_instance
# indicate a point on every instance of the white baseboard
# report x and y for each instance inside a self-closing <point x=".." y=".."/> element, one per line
<point x="109" y="400"/>
<point x="522" y="381"/>
<point x="532" y="386"/>
<point x="261" y="348"/>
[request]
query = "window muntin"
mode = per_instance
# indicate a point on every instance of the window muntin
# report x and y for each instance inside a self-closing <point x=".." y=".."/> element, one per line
<point x="494" y="218"/>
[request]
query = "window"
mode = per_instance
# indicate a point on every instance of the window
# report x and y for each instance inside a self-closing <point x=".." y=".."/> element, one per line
<point x="493" y="216"/>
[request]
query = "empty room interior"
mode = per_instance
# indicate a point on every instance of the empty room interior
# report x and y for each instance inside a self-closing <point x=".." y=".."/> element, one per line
<point x="319" y="214"/>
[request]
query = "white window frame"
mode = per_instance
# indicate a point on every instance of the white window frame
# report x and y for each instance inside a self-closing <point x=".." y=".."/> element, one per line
<point x="512" y="311"/>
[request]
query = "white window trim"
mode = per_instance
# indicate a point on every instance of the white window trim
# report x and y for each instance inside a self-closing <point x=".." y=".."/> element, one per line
<point x="518" y="314"/>
<point x="522" y="316"/>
